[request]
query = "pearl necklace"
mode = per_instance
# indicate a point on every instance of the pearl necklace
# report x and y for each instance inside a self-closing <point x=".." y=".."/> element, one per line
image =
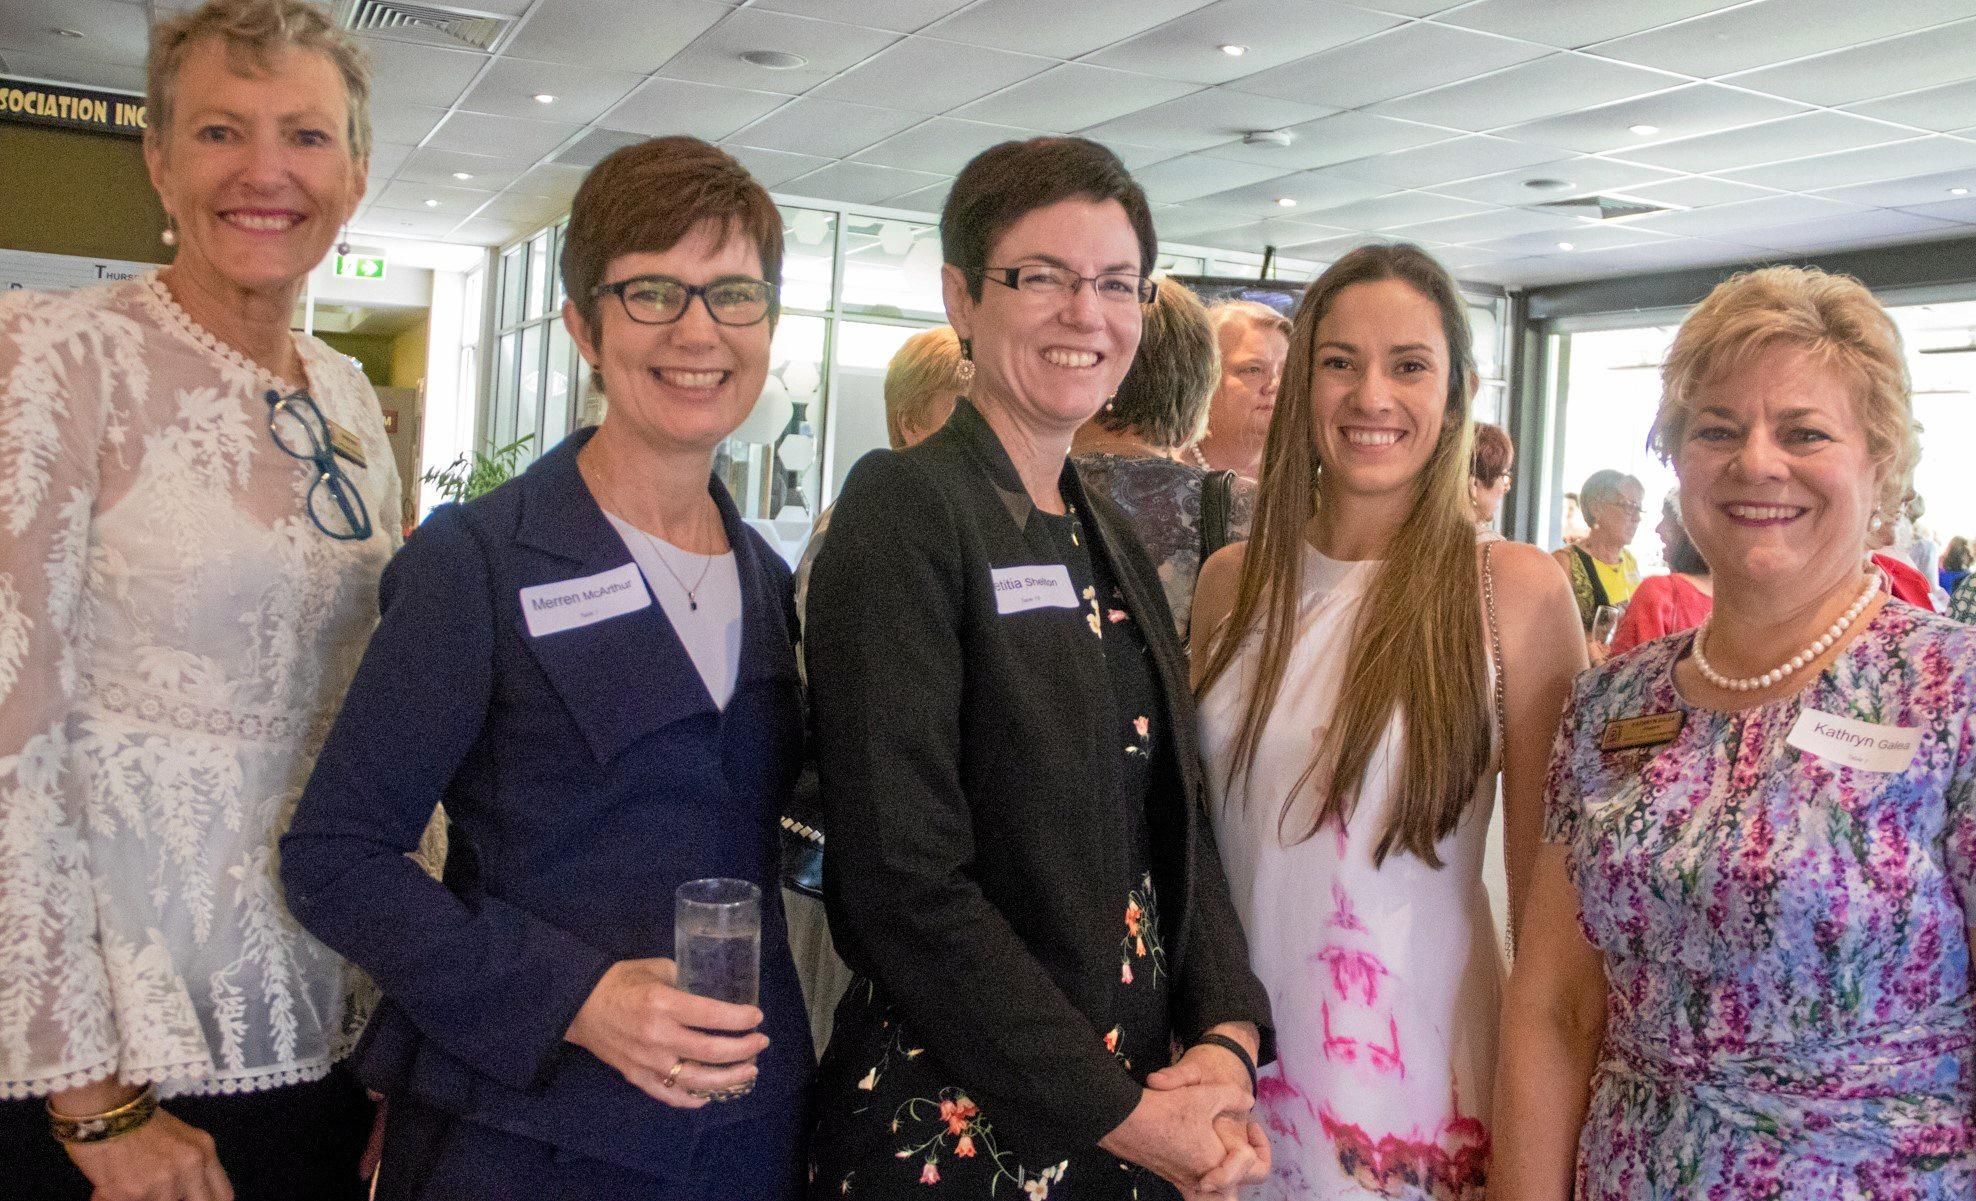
<point x="1810" y="653"/>
<point x="1200" y="460"/>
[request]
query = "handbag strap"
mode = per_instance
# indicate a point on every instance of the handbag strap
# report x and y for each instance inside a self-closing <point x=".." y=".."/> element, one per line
<point x="1217" y="505"/>
<point x="1495" y="648"/>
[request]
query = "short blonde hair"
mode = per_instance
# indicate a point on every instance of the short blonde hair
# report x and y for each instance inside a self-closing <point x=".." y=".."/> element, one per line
<point x="1225" y="313"/>
<point x="923" y="372"/>
<point x="1164" y="395"/>
<point x="1832" y="316"/>
<point x="254" y="31"/>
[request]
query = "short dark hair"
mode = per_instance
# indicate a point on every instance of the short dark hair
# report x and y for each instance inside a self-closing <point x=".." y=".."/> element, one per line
<point x="1164" y="395"/>
<point x="1493" y="454"/>
<point x="647" y="196"/>
<point x="1958" y="556"/>
<point x="1005" y="182"/>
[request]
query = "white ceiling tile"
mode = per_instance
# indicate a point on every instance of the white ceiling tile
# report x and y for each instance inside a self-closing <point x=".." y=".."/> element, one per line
<point x="553" y="181"/>
<point x="79" y="72"/>
<point x="1962" y="210"/>
<point x="1445" y="162"/>
<point x="1769" y="31"/>
<point x="1179" y="222"/>
<point x="1409" y="8"/>
<point x="825" y="127"/>
<point x="1582" y="239"/>
<point x="1331" y="249"/>
<point x="1869" y="165"/>
<point x="112" y="34"/>
<point x="941" y="145"/>
<point x="859" y="183"/>
<point x="1209" y="117"/>
<point x="459" y="201"/>
<point x="899" y="16"/>
<point x="1258" y="235"/>
<point x="402" y="73"/>
<point x="614" y="37"/>
<point x="386" y="158"/>
<point x="1668" y="254"/>
<point x="1562" y="83"/>
<point x="1072" y="96"/>
<point x="1135" y="157"/>
<point x="773" y="168"/>
<point x="1851" y="228"/>
<point x="1314" y="194"/>
<point x="1057" y="29"/>
<point x="1908" y="193"/>
<point x="403" y="223"/>
<point x="1725" y="219"/>
<point x="1192" y="177"/>
<point x="1681" y="113"/>
<point x="663" y="106"/>
<point x="1482" y="227"/>
<point x="1578" y="23"/>
<point x="1275" y="32"/>
<point x="1389" y="64"/>
<point x="1918" y="60"/>
<point x="582" y="94"/>
<point x="1585" y="175"/>
<point x="406" y="124"/>
<point x="929" y="199"/>
<point x="482" y="231"/>
<point x="930" y="76"/>
<point x="1696" y="191"/>
<point x="1773" y="141"/>
<point x="532" y="211"/>
<point x="438" y="166"/>
<point x="1338" y="139"/>
<point x="1952" y="106"/>
<point x="595" y="145"/>
<point x="1392" y="210"/>
<point x="828" y="47"/>
<point x="500" y="137"/>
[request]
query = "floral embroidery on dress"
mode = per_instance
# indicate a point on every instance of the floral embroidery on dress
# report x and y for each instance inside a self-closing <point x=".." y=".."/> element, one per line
<point x="1142" y="934"/>
<point x="954" y="1116"/>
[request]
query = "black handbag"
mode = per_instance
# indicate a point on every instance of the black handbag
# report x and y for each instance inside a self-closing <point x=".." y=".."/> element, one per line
<point x="1217" y="509"/>
<point x="802" y="836"/>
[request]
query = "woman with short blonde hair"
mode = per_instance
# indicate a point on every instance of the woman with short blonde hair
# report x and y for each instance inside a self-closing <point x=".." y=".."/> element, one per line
<point x="921" y="383"/>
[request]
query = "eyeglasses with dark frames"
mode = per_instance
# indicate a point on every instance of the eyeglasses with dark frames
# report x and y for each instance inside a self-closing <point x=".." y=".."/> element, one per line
<point x="301" y="432"/>
<point x="1061" y="283"/>
<point x="662" y="300"/>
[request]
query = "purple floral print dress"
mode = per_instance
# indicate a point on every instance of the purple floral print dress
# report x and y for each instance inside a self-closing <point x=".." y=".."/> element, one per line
<point x="1785" y="924"/>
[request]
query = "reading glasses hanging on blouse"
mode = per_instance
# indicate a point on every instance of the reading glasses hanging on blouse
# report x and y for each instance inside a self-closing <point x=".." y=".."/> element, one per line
<point x="302" y="432"/>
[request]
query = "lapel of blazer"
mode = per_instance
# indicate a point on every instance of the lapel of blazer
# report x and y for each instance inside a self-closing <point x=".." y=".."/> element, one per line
<point x="621" y="677"/>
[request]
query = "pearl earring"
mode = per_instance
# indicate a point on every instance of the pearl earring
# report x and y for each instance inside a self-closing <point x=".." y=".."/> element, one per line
<point x="169" y="236"/>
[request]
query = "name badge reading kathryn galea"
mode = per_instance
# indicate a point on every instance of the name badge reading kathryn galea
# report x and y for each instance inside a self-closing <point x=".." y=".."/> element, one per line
<point x="1020" y="589"/>
<point x="567" y="604"/>
<point x="1859" y="744"/>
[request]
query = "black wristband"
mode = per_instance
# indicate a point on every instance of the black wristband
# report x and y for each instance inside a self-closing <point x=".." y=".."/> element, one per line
<point x="1237" y="1050"/>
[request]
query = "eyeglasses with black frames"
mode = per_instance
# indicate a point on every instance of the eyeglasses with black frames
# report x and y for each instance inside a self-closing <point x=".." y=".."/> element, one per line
<point x="1061" y="283"/>
<point x="301" y="432"/>
<point x="662" y="300"/>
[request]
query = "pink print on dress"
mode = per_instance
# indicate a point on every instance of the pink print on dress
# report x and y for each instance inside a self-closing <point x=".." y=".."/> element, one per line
<point x="1343" y="1048"/>
<point x="1343" y="916"/>
<point x="1351" y="971"/>
<point x="1452" y="1164"/>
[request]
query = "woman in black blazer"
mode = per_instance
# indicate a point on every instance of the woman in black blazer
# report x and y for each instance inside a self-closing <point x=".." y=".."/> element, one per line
<point x="1018" y="868"/>
<point x="592" y="667"/>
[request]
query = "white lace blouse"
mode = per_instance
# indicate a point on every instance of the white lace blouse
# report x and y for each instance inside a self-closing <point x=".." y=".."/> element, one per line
<point x="175" y="635"/>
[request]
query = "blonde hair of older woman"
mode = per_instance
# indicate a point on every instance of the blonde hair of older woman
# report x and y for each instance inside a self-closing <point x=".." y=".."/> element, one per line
<point x="1832" y="316"/>
<point x="254" y="32"/>
<point x="1225" y="313"/>
<point x="923" y="373"/>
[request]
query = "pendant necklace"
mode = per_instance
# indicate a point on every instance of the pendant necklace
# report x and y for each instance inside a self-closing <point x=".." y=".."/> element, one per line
<point x="692" y="598"/>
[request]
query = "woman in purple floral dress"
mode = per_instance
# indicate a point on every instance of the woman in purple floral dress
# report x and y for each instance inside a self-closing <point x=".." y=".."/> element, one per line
<point x="1747" y="974"/>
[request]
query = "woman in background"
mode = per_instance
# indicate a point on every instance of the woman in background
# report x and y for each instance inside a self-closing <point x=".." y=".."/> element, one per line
<point x="1489" y="476"/>
<point x="1668" y="604"/>
<point x="1601" y="568"/>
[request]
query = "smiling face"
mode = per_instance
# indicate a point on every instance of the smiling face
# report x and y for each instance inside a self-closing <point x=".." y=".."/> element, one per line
<point x="1052" y="361"/>
<point x="256" y="170"/>
<point x="684" y="386"/>
<point x="1252" y="358"/>
<point x="1777" y="483"/>
<point x="1379" y="388"/>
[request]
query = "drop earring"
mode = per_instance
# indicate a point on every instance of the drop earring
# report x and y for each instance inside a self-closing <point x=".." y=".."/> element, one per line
<point x="343" y="245"/>
<point x="169" y="235"/>
<point x="964" y="372"/>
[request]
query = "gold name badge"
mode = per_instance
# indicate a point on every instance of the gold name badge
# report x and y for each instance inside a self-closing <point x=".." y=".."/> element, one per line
<point x="345" y="443"/>
<point x="1653" y="729"/>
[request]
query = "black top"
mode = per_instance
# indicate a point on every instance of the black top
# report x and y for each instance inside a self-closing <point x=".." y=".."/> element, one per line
<point x="970" y="876"/>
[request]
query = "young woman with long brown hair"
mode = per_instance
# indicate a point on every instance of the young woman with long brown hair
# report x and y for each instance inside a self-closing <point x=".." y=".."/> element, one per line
<point x="1353" y="660"/>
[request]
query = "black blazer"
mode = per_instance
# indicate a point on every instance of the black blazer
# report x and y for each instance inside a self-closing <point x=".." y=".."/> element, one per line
<point x="587" y="774"/>
<point x="960" y="750"/>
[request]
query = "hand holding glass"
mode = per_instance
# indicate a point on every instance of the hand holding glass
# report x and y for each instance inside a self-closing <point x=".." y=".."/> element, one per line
<point x="1605" y="623"/>
<point x="717" y="943"/>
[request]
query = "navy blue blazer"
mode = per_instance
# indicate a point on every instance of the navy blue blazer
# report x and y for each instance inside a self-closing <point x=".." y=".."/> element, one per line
<point x="587" y="774"/>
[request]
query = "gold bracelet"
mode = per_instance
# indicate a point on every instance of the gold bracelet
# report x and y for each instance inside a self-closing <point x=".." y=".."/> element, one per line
<point x="96" y="1127"/>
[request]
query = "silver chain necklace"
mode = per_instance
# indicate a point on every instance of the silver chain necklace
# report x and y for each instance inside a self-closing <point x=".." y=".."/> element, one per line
<point x="692" y="598"/>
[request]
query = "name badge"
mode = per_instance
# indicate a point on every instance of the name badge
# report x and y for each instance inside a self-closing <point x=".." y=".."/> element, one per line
<point x="1860" y="744"/>
<point x="1652" y="729"/>
<point x="1020" y="589"/>
<point x="346" y="444"/>
<point x="568" y="604"/>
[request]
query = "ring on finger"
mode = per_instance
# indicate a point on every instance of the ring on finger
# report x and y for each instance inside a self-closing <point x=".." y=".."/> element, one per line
<point x="672" y="1077"/>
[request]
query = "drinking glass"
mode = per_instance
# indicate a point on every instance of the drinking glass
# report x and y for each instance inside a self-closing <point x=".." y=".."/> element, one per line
<point x="1605" y="623"/>
<point x="717" y="939"/>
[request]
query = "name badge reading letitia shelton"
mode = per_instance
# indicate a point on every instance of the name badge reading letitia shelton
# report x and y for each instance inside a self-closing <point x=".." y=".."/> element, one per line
<point x="1650" y="729"/>
<point x="1860" y="744"/>
<point x="1043" y="586"/>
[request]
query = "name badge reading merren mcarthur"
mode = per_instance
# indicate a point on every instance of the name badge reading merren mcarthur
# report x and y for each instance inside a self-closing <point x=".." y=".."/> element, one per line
<point x="1860" y="744"/>
<point x="568" y="604"/>
<point x="1044" y="586"/>
<point x="1652" y="729"/>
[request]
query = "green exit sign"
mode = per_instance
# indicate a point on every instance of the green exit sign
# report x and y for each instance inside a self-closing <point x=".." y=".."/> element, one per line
<point x="360" y="266"/>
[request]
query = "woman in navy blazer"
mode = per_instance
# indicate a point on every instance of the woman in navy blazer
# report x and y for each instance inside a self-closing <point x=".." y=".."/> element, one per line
<point x="592" y="668"/>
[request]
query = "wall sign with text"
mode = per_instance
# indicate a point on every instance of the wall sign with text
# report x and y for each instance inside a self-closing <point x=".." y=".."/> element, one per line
<point x="26" y="103"/>
<point x="61" y="272"/>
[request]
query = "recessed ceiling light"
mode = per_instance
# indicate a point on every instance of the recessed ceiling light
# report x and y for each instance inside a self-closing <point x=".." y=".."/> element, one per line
<point x="775" y="60"/>
<point x="1565" y="246"/>
<point x="544" y="98"/>
<point x="1232" y="50"/>
<point x="1645" y="131"/>
<point x="66" y="33"/>
<point x="462" y="175"/>
<point x="1958" y="191"/>
<point x="1288" y="202"/>
<point x="432" y="204"/>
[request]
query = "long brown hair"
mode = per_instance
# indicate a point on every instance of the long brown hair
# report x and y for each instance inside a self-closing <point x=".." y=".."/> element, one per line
<point x="1417" y="650"/>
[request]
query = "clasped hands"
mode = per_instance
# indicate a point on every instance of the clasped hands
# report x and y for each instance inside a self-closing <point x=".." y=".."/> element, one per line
<point x="1192" y="1127"/>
